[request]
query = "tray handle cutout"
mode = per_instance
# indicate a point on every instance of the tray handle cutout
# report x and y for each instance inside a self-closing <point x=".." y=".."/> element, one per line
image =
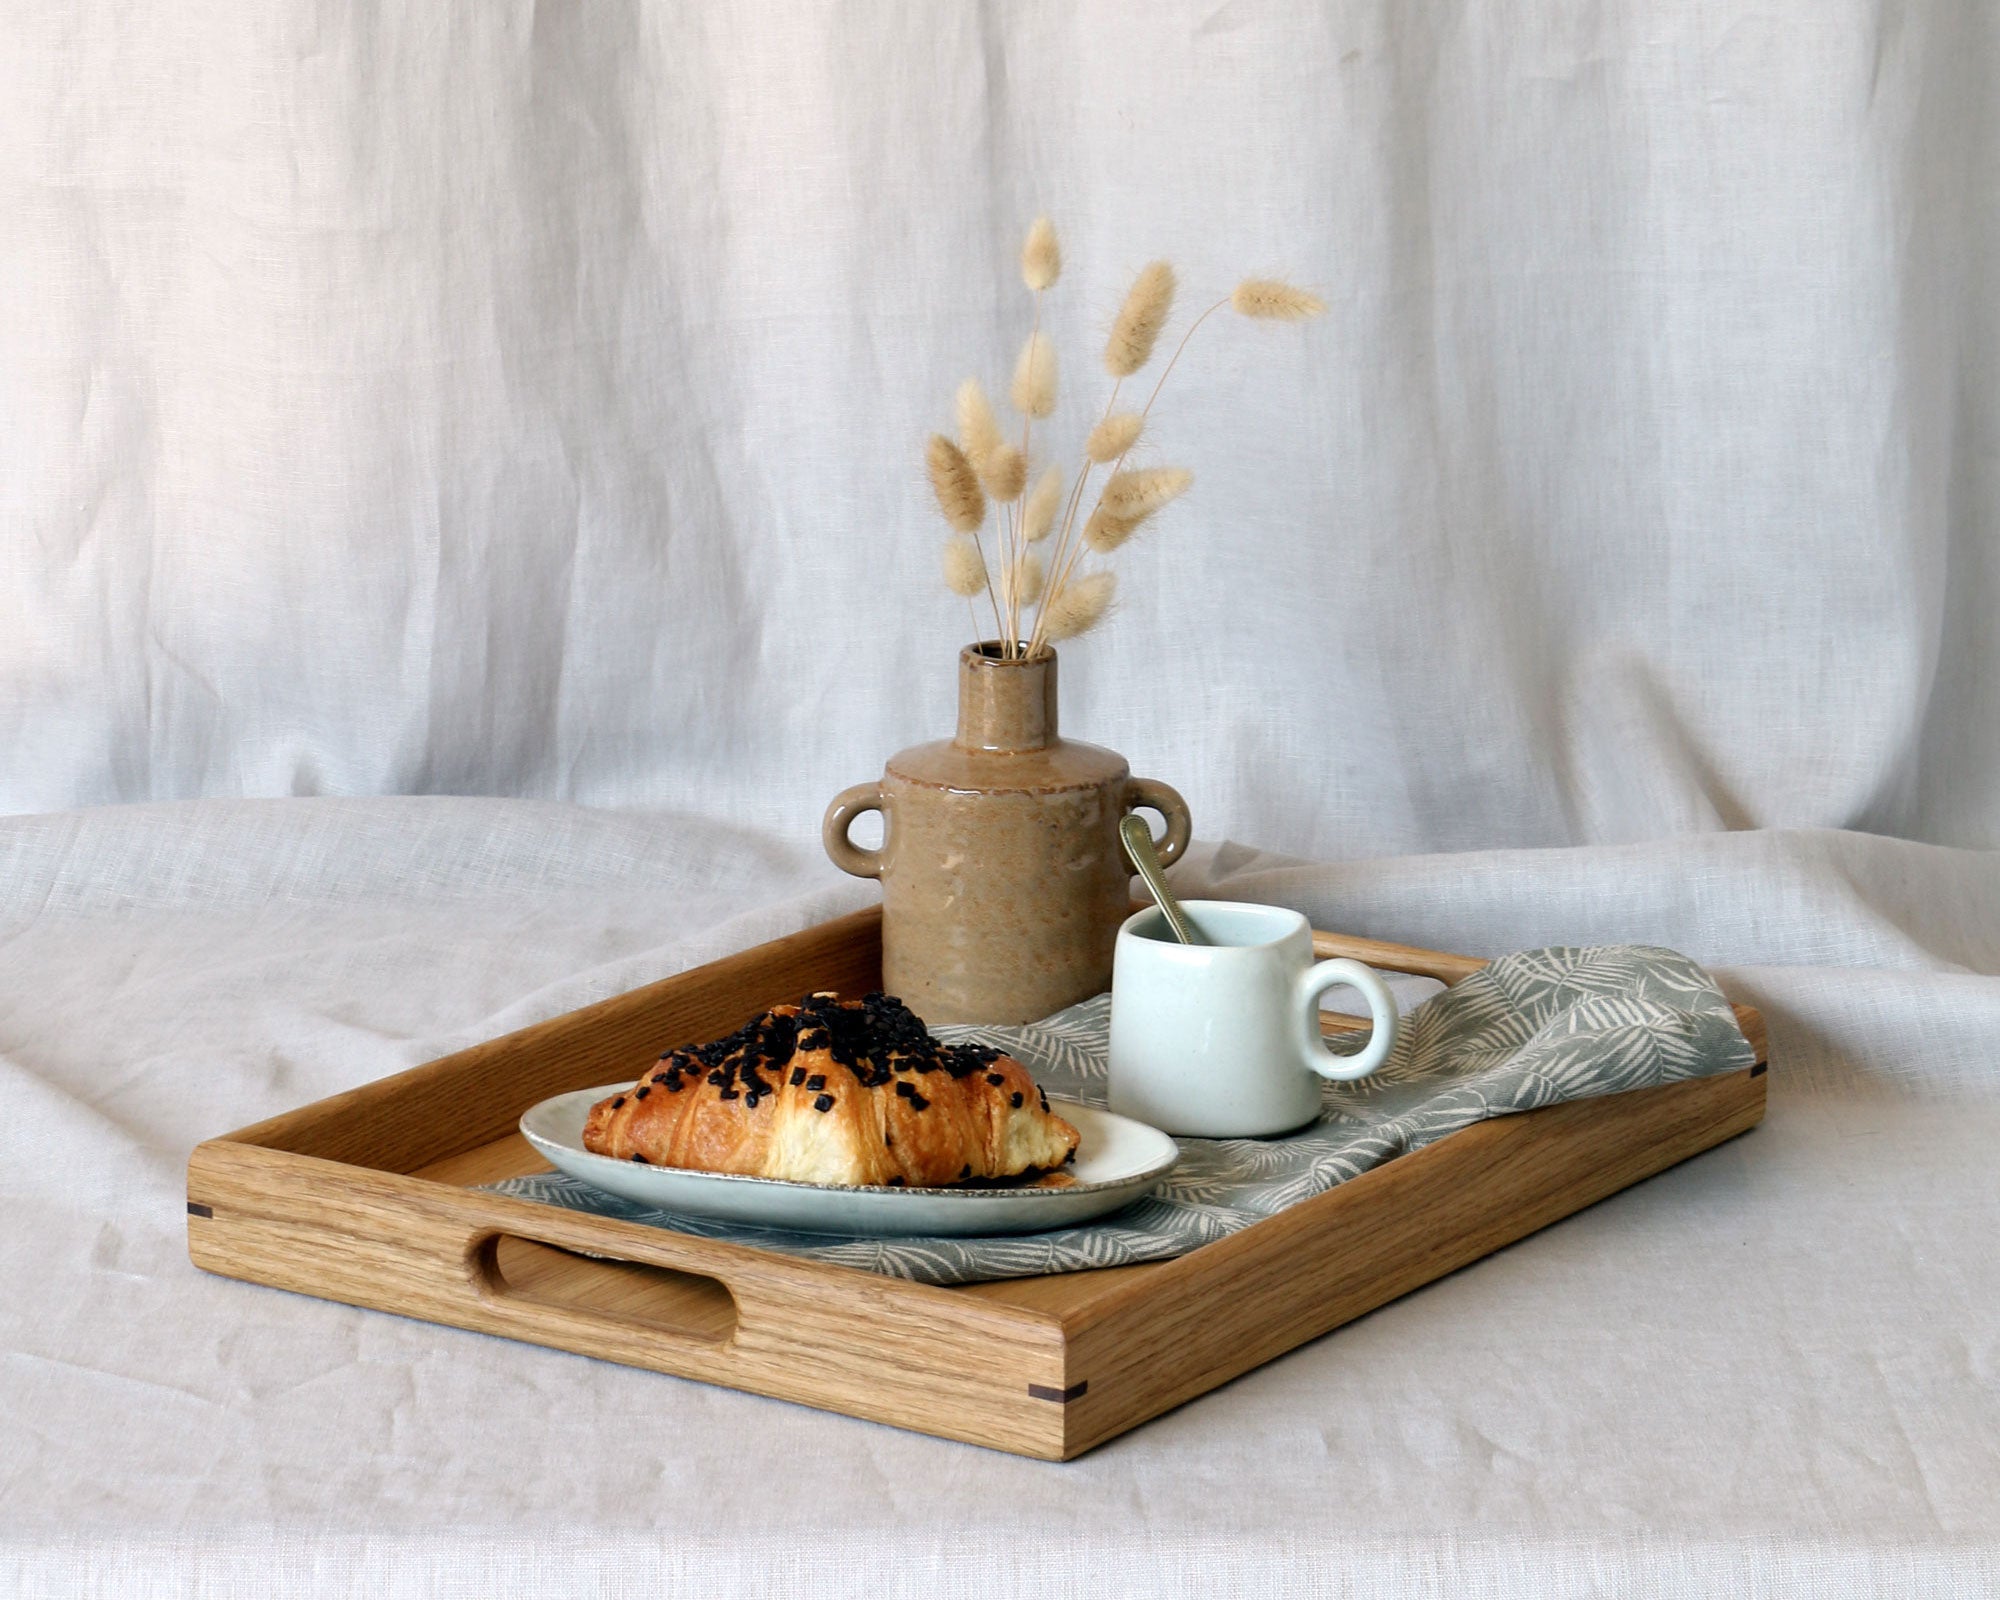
<point x="511" y="1269"/>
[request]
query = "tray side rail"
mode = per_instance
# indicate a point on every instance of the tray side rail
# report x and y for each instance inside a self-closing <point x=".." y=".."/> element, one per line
<point x="886" y="1349"/>
<point x="448" y="1106"/>
<point x="1170" y="1332"/>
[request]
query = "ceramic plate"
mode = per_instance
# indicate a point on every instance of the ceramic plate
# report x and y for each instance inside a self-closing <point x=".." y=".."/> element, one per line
<point x="1117" y="1162"/>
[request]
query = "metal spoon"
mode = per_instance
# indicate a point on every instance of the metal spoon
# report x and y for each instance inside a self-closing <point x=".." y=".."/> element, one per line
<point x="1138" y="842"/>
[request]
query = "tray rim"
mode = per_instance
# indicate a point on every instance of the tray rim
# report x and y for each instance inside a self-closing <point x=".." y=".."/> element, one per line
<point x="1045" y="1327"/>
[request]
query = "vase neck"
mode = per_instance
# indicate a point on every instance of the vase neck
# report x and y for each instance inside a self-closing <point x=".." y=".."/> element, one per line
<point x="1005" y="704"/>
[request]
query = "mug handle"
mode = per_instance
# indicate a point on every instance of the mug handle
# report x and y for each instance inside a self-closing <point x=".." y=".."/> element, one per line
<point x="1307" y="989"/>
<point x="1149" y="794"/>
<point x="844" y="852"/>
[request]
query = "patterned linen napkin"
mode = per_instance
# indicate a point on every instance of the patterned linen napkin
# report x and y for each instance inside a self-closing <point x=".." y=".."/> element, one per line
<point x="1530" y="1030"/>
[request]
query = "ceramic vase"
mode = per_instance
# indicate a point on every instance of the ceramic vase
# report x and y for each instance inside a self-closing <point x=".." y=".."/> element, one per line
<point x="1003" y="881"/>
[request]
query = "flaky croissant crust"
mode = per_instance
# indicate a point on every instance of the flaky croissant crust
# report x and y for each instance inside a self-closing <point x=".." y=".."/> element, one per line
<point x="850" y="1092"/>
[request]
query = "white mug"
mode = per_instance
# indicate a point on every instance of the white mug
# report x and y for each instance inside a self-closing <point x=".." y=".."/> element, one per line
<point x="1222" y="1040"/>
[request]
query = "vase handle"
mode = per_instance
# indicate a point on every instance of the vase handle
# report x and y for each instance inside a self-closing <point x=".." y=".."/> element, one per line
<point x="1149" y="794"/>
<point x="845" y="853"/>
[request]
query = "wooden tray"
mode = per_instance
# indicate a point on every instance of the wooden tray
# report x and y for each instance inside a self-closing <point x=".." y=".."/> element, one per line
<point x="364" y="1198"/>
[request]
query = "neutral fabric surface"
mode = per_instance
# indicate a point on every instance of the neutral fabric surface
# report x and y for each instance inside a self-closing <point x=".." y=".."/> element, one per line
<point x="494" y="397"/>
<point x="1770" y="1371"/>
<point x="1535" y="1028"/>
<point x="483" y="396"/>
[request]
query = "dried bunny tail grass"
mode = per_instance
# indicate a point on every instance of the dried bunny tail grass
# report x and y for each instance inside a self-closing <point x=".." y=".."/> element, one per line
<point x="1004" y="472"/>
<point x="978" y="429"/>
<point x="1035" y="377"/>
<point x="1112" y="437"/>
<point x="955" y="484"/>
<point x="1267" y="297"/>
<point x="1104" y="532"/>
<point x="1078" y="606"/>
<point x="964" y="566"/>
<point x="1039" y="515"/>
<point x="1142" y="491"/>
<point x="1140" y="319"/>
<point x="1041" y="256"/>
<point x="1028" y="579"/>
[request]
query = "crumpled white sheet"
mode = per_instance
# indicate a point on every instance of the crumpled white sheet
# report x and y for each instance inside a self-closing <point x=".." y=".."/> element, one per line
<point x="1772" y="1370"/>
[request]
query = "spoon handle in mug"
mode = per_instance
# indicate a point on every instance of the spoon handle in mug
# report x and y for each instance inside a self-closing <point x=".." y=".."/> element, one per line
<point x="1138" y="842"/>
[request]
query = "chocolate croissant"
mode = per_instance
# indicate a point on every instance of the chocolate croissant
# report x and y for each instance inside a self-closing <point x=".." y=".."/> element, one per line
<point x="834" y="1091"/>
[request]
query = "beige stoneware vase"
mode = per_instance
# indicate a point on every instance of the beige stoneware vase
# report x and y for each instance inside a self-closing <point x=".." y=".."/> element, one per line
<point x="1003" y="882"/>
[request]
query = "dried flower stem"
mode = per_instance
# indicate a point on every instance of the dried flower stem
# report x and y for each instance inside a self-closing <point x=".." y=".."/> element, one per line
<point x="1064" y="557"/>
<point x="1067" y="559"/>
<point x="992" y="598"/>
<point x="1168" y="371"/>
<point x="1013" y="641"/>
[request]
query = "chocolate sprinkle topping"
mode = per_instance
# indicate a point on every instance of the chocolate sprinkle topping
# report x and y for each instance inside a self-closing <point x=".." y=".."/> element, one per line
<point x="877" y="1038"/>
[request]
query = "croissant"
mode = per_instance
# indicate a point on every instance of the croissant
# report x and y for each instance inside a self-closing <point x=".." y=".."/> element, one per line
<point x="832" y="1091"/>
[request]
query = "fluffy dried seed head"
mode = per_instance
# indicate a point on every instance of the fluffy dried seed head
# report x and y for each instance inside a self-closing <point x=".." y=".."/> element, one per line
<point x="1140" y="319"/>
<point x="978" y="430"/>
<point x="1038" y="517"/>
<point x="1112" y="437"/>
<point x="1267" y="297"/>
<point x="1078" y="606"/>
<point x="955" y="484"/>
<point x="1028" y="579"/>
<point x="1143" y="490"/>
<point x="1104" y="532"/>
<point x="1041" y="256"/>
<point x="964" y="566"/>
<point x="1035" y="377"/>
<point x="1004" y="472"/>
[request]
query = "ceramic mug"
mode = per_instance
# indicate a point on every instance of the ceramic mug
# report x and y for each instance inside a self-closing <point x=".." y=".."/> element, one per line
<point x="1222" y="1040"/>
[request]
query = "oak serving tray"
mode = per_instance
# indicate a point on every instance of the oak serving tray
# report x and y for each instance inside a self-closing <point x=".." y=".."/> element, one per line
<point x="367" y="1198"/>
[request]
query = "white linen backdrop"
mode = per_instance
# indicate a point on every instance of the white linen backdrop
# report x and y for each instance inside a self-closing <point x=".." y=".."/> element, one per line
<point x="525" y="401"/>
<point x="529" y="399"/>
